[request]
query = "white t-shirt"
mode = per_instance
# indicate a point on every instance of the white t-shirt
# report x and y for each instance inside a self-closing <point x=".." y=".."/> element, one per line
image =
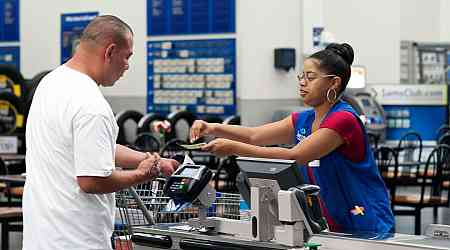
<point x="71" y="131"/>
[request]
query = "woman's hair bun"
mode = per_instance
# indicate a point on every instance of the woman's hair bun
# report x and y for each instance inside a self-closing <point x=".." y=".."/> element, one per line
<point x="343" y="50"/>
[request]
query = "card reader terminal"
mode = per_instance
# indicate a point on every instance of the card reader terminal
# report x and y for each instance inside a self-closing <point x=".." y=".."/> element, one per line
<point x="187" y="182"/>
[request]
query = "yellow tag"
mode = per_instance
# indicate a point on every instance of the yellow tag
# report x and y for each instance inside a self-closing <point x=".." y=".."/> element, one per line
<point x="16" y="90"/>
<point x="19" y="120"/>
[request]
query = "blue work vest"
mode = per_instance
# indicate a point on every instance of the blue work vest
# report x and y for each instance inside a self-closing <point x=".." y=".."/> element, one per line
<point x="354" y="196"/>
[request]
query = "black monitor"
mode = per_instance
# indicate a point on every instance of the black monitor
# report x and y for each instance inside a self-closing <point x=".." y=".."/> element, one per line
<point x="285" y="172"/>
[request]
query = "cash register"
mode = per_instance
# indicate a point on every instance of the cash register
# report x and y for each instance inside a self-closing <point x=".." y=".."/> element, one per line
<point x="265" y="183"/>
<point x="285" y="214"/>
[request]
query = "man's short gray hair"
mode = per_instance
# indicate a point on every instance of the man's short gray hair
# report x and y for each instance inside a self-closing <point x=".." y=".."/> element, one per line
<point x="106" y="28"/>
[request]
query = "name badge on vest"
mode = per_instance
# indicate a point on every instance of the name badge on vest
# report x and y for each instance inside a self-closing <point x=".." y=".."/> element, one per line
<point x="301" y="135"/>
<point x="314" y="164"/>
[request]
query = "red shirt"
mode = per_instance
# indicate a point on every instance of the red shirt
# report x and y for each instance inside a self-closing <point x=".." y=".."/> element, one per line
<point x="345" y="124"/>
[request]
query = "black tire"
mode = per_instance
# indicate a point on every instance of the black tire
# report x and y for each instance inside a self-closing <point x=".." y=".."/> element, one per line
<point x="121" y="118"/>
<point x="12" y="118"/>
<point x="212" y="119"/>
<point x="17" y="79"/>
<point x="147" y="120"/>
<point x="175" y="117"/>
<point x="147" y="142"/>
<point x="232" y="120"/>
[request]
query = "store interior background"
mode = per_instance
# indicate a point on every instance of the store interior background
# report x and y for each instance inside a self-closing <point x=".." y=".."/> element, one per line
<point x="373" y="28"/>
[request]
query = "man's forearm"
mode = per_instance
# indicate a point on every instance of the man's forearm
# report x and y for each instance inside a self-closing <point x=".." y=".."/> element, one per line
<point x="128" y="158"/>
<point x="116" y="181"/>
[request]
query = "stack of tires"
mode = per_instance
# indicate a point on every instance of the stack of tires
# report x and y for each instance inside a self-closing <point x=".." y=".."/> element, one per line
<point x="16" y="94"/>
<point x="12" y="111"/>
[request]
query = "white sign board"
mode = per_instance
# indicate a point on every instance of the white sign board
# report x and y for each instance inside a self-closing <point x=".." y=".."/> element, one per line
<point x="8" y="145"/>
<point x="358" y="78"/>
<point x="410" y="94"/>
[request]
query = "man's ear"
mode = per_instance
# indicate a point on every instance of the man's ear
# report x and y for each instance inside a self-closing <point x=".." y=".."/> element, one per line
<point x="109" y="51"/>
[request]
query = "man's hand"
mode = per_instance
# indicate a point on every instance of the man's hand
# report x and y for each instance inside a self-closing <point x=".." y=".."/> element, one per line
<point x="198" y="129"/>
<point x="168" y="166"/>
<point x="149" y="167"/>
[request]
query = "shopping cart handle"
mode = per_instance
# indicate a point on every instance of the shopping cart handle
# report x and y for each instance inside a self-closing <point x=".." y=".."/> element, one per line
<point x="152" y="240"/>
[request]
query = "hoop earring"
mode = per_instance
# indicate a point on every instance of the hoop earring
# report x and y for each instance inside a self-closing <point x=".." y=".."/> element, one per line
<point x="331" y="100"/>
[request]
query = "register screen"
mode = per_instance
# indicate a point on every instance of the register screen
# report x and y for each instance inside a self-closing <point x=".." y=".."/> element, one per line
<point x="189" y="172"/>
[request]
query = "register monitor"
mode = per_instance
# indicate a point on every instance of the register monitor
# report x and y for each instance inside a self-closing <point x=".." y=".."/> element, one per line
<point x="261" y="172"/>
<point x="285" y="172"/>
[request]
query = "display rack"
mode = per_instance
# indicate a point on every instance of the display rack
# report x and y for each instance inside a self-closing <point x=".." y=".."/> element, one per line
<point x="194" y="75"/>
<point x="424" y="63"/>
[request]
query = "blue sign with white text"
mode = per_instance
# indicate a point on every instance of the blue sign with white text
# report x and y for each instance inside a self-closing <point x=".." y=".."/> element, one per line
<point x="9" y="20"/>
<point x="10" y="55"/>
<point x="172" y="17"/>
<point x="72" y="26"/>
<point x="426" y="120"/>
<point x="194" y="75"/>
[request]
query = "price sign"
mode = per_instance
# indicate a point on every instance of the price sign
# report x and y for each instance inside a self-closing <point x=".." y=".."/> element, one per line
<point x="8" y="145"/>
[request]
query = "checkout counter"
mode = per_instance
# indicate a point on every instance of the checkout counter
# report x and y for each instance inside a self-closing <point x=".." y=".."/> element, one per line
<point x="284" y="214"/>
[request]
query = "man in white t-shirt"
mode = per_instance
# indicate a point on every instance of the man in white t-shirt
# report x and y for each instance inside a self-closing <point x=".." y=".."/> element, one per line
<point x="71" y="134"/>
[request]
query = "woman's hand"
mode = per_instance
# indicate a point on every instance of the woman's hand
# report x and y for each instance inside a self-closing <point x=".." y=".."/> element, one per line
<point x="221" y="147"/>
<point x="198" y="129"/>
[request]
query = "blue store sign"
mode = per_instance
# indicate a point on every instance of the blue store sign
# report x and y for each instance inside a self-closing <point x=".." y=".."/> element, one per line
<point x="9" y="20"/>
<point x="72" y="25"/>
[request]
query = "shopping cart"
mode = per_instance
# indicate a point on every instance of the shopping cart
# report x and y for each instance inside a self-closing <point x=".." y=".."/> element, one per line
<point x="145" y="204"/>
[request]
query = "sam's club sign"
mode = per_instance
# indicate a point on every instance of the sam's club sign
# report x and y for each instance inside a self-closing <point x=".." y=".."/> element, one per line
<point x="409" y="94"/>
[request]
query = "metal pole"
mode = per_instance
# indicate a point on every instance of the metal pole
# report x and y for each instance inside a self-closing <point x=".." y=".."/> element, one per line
<point x="141" y="205"/>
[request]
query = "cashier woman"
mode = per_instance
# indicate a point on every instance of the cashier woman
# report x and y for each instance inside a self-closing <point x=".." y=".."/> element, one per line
<point x="331" y="145"/>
